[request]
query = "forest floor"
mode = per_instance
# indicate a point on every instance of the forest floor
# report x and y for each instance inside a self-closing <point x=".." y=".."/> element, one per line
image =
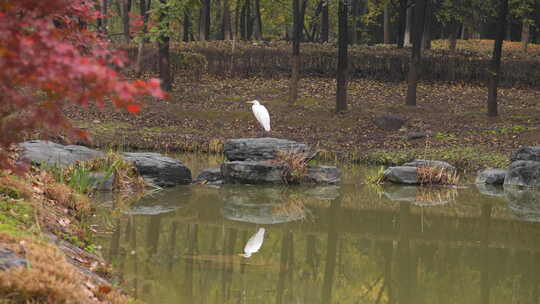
<point x="201" y="114"/>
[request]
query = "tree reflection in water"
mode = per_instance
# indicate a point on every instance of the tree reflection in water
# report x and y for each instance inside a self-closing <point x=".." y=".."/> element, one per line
<point x="343" y="254"/>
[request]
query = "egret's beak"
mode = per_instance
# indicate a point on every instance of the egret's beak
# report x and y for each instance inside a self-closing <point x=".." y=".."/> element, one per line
<point x="244" y="255"/>
<point x="249" y="101"/>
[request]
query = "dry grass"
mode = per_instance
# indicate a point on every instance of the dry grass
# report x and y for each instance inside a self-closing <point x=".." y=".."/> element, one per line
<point x="436" y="176"/>
<point x="48" y="278"/>
<point x="439" y="195"/>
<point x="294" y="166"/>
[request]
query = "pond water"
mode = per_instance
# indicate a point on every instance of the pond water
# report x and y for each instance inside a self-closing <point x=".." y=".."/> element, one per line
<point x="349" y="244"/>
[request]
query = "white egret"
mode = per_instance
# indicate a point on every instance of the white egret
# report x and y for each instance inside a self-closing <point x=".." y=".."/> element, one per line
<point x="261" y="113"/>
<point x="254" y="243"/>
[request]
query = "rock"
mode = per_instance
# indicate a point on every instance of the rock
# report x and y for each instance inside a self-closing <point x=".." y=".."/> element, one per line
<point x="490" y="189"/>
<point x="430" y="164"/>
<point x="101" y="182"/>
<point x="401" y="175"/>
<point x="389" y="122"/>
<point x="323" y="175"/>
<point x="524" y="203"/>
<point x="162" y="202"/>
<point x="420" y="196"/>
<point x="323" y="193"/>
<point x="251" y="172"/>
<point x="254" y="149"/>
<point x="526" y="153"/>
<point x="210" y="176"/>
<point x="45" y="152"/>
<point x="9" y="259"/>
<point x="491" y="176"/>
<point x="416" y="135"/>
<point x="161" y="170"/>
<point x="524" y="173"/>
<point x="400" y="193"/>
<point x="261" y="172"/>
<point x="259" y="205"/>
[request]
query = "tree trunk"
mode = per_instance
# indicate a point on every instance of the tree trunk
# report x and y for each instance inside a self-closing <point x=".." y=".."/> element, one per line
<point x="426" y="37"/>
<point x="163" y="55"/>
<point x="205" y="20"/>
<point x="495" y="64"/>
<point x="258" y="21"/>
<point x="343" y="33"/>
<point x="126" y="8"/>
<point x="243" y="25"/>
<point x="355" y="8"/>
<point x="452" y="38"/>
<point x="303" y="9"/>
<point x="249" y="20"/>
<point x="325" y="24"/>
<point x="187" y="26"/>
<point x="525" y="35"/>
<point x="402" y="20"/>
<point x="508" y="32"/>
<point x="226" y="21"/>
<point x="386" y="25"/>
<point x="103" y="6"/>
<point x="414" y="66"/>
<point x="407" y="40"/>
<point x="295" y="59"/>
<point x="237" y="18"/>
<point x="143" y="7"/>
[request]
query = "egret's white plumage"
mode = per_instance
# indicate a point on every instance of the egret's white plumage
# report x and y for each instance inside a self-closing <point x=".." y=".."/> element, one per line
<point x="261" y="113"/>
<point x="254" y="243"/>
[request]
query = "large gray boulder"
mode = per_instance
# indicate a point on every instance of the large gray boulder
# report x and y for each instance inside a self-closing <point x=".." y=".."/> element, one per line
<point x="251" y="172"/>
<point x="52" y="154"/>
<point x="524" y="203"/>
<point x="262" y="205"/>
<point x="210" y="176"/>
<point x="389" y="122"/>
<point x="101" y="181"/>
<point x="420" y="196"/>
<point x="264" y="172"/>
<point x="490" y="189"/>
<point x="254" y="149"/>
<point x="401" y="175"/>
<point x="160" y="170"/>
<point x="524" y="173"/>
<point x="526" y="153"/>
<point x="491" y="176"/>
<point x="323" y="175"/>
<point x="430" y="164"/>
<point x="9" y="259"/>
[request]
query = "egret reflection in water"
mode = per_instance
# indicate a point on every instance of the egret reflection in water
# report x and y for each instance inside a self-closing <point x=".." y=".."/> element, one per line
<point x="254" y="243"/>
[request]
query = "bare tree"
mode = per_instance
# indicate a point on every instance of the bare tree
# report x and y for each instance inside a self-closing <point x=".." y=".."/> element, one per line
<point x="416" y="54"/>
<point x="295" y="59"/>
<point x="325" y="23"/>
<point x="495" y="64"/>
<point x="343" y="33"/>
<point x="225" y="32"/>
<point x="186" y="30"/>
<point x="257" y="29"/>
<point x="525" y="29"/>
<point x="386" y="24"/>
<point x="144" y="6"/>
<point x="163" y="52"/>
<point x="402" y="21"/>
<point x="126" y="9"/>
